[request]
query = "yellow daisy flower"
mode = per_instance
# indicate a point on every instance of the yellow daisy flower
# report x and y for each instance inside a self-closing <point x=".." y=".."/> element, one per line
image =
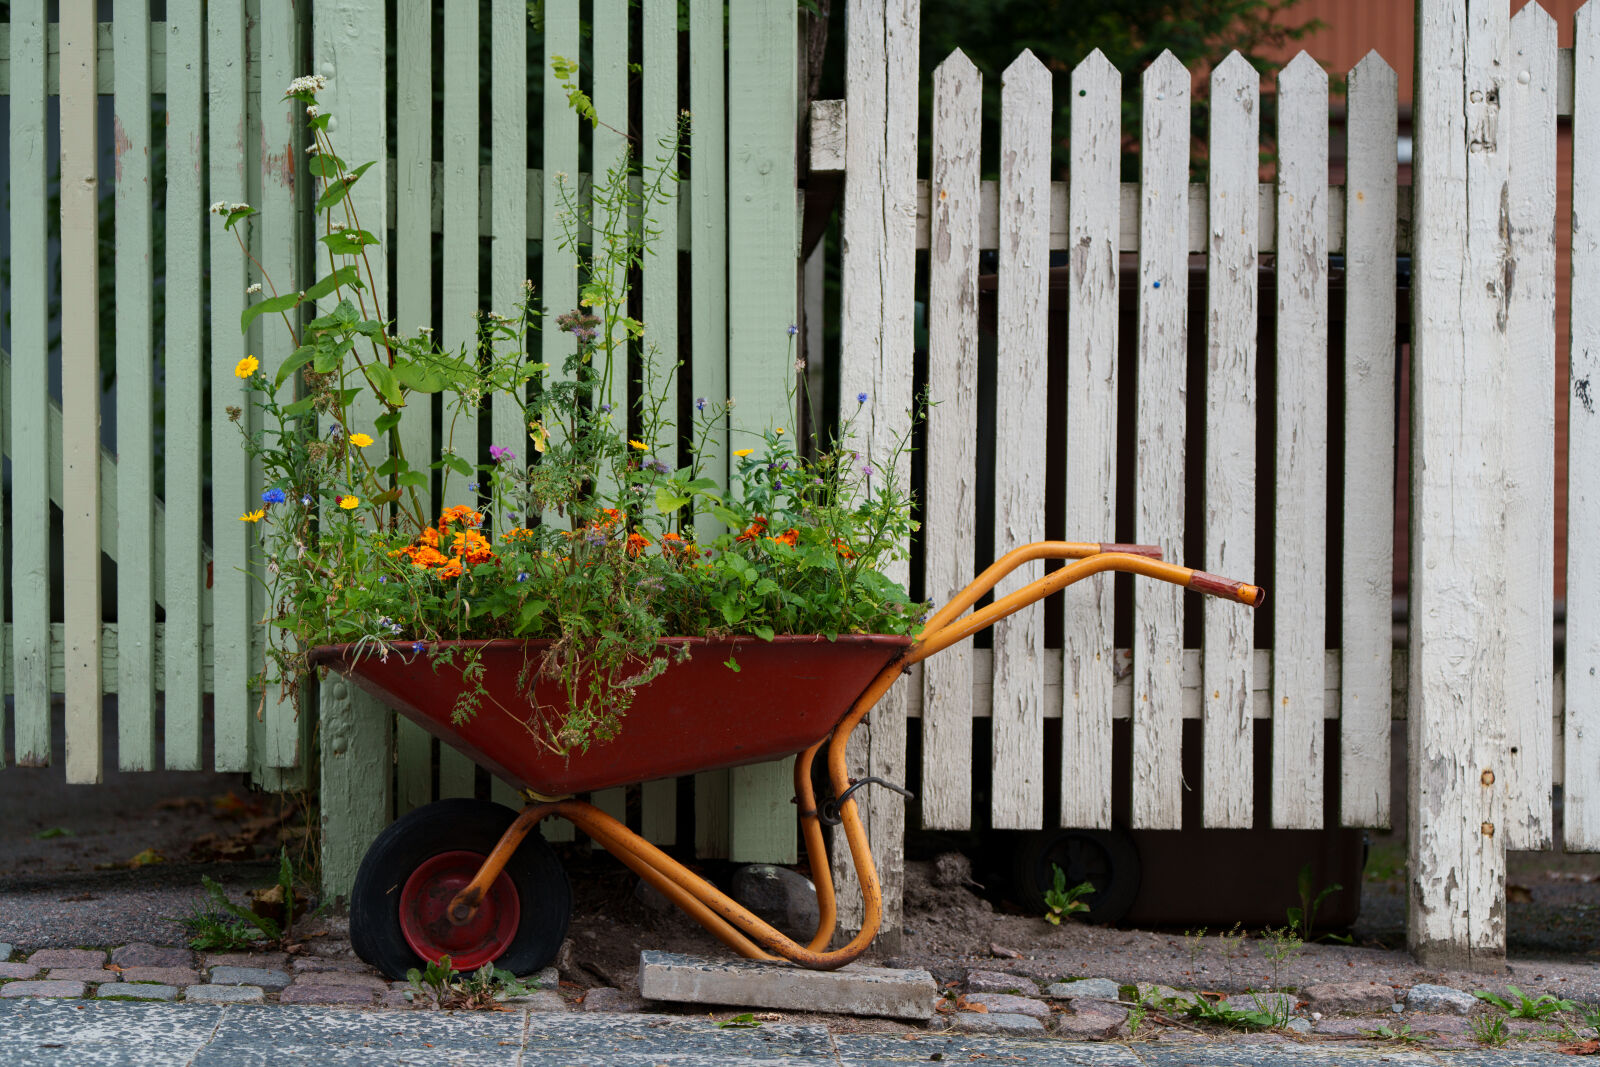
<point x="640" y="445"/>
<point x="348" y="502"/>
<point x="252" y="516"/>
<point x="246" y="367"/>
<point x="360" y="440"/>
<point x="743" y="451"/>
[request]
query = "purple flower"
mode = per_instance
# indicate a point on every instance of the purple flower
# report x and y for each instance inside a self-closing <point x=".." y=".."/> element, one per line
<point x="498" y="454"/>
<point x="866" y="468"/>
<point x="658" y="466"/>
<point x="335" y="431"/>
<point x="306" y="500"/>
<point x="383" y="579"/>
<point x="777" y="483"/>
<point x="605" y="409"/>
<point x="699" y="403"/>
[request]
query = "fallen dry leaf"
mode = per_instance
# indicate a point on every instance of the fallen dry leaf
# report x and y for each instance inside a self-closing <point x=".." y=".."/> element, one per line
<point x="1519" y="894"/>
<point x="146" y="858"/>
<point x="1581" y="1048"/>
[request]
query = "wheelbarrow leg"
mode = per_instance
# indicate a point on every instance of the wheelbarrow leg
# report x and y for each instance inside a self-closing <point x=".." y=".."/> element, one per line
<point x="464" y="905"/>
<point x="816" y="849"/>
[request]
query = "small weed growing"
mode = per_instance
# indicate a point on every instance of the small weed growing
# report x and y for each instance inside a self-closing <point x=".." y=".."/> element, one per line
<point x="1526" y="1007"/>
<point x="1195" y="942"/>
<point x="1135" y="1019"/>
<point x="1063" y="901"/>
<point x="1279" y="947"/>
<point x="1490" y="1030"/>
<point x="1303" y="920"/>
<point x="747" y="1021"/>
<point x="1591" y="1017"/>
<point x="1232" y="945"/>
<point x="228" y="926"/>
<point x="1218" y="1012"/>
<point x="484" y="988"/>
<point x="1401" y="1036"/>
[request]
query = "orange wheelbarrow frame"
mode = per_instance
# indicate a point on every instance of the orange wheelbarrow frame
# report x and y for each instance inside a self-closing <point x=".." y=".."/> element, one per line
<point x="731" y="922"/>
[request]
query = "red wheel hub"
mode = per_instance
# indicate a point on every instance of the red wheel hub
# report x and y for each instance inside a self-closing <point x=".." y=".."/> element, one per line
<point x="425" y="912"/>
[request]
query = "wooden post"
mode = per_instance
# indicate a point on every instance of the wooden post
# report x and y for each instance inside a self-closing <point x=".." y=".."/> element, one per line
<point x="1460" y="288"/>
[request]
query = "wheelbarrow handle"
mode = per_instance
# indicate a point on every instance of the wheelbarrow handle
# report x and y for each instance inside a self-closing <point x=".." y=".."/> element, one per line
<point x="949" y="626"/>
<point x="996" y="571"/>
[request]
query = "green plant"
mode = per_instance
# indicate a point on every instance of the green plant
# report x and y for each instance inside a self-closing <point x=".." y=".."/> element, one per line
<point x="1232" y="946"/>
<point x="1219" y="1012"/>
<point x="602" y="525"/>
<point x="432" y="982"/>
<point x="438" y="984"/>
<point x="1279" y="947"/>
<point x="1591" y="1017"/>
<point x="1136" y="1015"/>
<point x="1524" y="1006"/>
<point x="1303" y="920"/>
<point x="746" y="1021"/>
<point x="1401" y="1036"/>
<point x="1062" y="901"/>
<point x="1490" y="1030"/>
<point x="213" y="930"/>
<point x="1195" y="942"/>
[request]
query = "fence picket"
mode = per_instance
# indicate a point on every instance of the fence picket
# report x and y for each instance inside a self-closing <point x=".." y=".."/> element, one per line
<point x="951" y="490"/>
<point x="1529" y="398"/>
<point x="1230" y="437"/>
<point x="413" y="304"/>
<point x="762" y="283"/>
<point x="1369" y="412"/>
<point x="1094" y="204"/>
<point x="1300" y="519"/>
<point x="1022" y="308"/>
<point x="230" y="471"/>
<point x="282" y="136"/>
<point x="1162" y="420"/>
<point x="183" y="641"/>
<point x="30" y="383"/>
<point x="136" y="646"/>
<point x="1582" y="733"/>
<point x="80" y="391"/>
<point x="708" y="310"/>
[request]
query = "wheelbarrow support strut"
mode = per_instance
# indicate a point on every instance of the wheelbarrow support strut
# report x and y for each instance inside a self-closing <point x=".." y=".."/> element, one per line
<point x="731" y="922"/>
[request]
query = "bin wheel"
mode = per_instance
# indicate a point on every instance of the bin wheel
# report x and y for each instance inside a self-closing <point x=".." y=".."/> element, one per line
<point x="1107" y="859"/>
<point x="403" y="889"/>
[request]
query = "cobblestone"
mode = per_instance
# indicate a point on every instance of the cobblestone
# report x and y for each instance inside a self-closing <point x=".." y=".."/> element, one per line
<point x="139" y="954"/>
<point x="224" y="994"/>
<point x="138" y="991"/>
<point x="42" y="989"/>
<point x="68" y="957"/>
<point x="258" y="976"/>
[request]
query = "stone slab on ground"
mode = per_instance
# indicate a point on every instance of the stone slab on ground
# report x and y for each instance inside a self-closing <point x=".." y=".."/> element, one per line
<point x="608" y="999"/>
<point x="978" y="1022"/>
<point x="1271" y="1003"/>
<point x="261" y="976"/>
<point x="224" y="994"/>
<point x="68" y="957"/>
<point x="80" y="974"/>
<point x="42" y="989"/>
<point x="541" y="1000"/>
<point x="275" y="961"/>
<point x="1332" y="997"/>
<point x="1439" y="998"/>
<point x="178" y="976"/>
<point x="17" y="970"/>
<point x="309" y="992"/>
<point x="851" y="990"/>
<point x="139" y="954"/>
<point x="5" y="952"/>
<point x="999" y="982"/>
<point x="1089" y="1025"/>
<point x="138" y="991"/>
<point x="316" y="964"/>
<point x="1085" y="988"/>
<point x="1007" y="1003"/>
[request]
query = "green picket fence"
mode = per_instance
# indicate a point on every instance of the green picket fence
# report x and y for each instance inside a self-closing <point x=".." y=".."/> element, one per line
<point x="177" y="114"/>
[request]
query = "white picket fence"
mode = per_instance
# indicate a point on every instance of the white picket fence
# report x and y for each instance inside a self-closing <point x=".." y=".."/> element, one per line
<point x="1236" y="222"/>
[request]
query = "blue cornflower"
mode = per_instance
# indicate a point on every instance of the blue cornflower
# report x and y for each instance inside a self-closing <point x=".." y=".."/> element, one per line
<point x="793" y="329"/>
<point x="605" y="409"/>
<point x="418" y="646"/>
<point x="306" y="499"/>
<point x="335" y="430"/>
<point x="273" y="496"/>
<point x="522" y="576"/>
<point x="699" y="403"/>
<point x="472" y="487"/>
<point x="861" y="398"/>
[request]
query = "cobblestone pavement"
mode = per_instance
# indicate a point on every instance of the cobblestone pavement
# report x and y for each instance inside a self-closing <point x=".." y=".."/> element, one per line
<point x="89" y="1032"/>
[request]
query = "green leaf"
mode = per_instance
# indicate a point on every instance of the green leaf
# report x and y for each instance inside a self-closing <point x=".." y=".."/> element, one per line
<point x="323" y="286"/>
<point x="732" y="664"/>
<point x="298" y="359"/>
<point x="412" y="478"/>
<point x="344" y="313"/>
<point x="299" y="407"/>
<point x="417" y="378"/>
<point x="455" y="463"/>
<point x="667" y="501"/>
<point x="286" y="302"/>
<point x="325" y="165"/>
<point x="387" y="421"/>
<point x="339" y="188"/>
<point x="328" y="358"/>
<point x="384" y="381"/>
<point x="763" y="632"/>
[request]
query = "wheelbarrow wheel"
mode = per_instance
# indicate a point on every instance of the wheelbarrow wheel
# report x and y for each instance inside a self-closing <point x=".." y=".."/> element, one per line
<point x="399" y="903"/>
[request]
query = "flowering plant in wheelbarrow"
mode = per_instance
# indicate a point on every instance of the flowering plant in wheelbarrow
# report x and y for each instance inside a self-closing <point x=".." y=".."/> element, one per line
<point x="600" y="527"/>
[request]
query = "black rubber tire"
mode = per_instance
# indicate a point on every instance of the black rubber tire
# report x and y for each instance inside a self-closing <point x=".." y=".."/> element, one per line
<point x="544" y="895"/>
<point x="1108" y="859"/>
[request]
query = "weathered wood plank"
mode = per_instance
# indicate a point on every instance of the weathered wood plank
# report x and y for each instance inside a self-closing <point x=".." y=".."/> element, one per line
<point x="357" y="754"/>
<point x="29" y="396"/>
<point x="1021" y="304"/>
<point x="508" y="267"/>
<point x="182" y="554"/>
<point x="226" y="147"/>
<point x="1300" y="517"/>
<point x="1230" y="475"/>
<point x="658" y="811"/>
<point x="609" y="155"/>
<point x="1529" y="408"/>
<point x="558" y="290"/>
<point x="708" y="311"/>
<point x="659" y="165"/>
<point x="762" y="289"/>
<point x="136" y="709"/>
<point x="282" y="136"/>
<point x="1582" y="734"/>
<point x="951" y="484"/>
<point x="1369" y="458"/>
<point x="1458" y="572"/>
<point x="1163" y="218"/>
<point x="80" y="392"/>
<point x="1091" y="492"/>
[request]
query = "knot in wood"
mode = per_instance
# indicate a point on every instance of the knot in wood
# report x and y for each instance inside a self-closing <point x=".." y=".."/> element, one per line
<point x="1488" y="778"/>
<point x="1488" y="829"/>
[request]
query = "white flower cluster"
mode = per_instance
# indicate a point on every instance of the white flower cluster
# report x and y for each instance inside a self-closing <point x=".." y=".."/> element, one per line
<point x="253" y="289"/>
<point x="312" y="111"/>
<point x="222" y="207"/>
<point x="309" y="83"/>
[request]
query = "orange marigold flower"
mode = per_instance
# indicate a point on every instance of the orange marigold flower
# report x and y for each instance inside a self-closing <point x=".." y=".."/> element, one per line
<point x="430" y="537"/>
<point x="637" y="542"/>
<point x="462" y="514"/>
<point x="754" y="530"/>
<point x="453" y="569"/>
<point x="843" y="549"/>
<point x="517" y="533"/>
<point x="788" y="537"/>
<point x="612" y="517"/>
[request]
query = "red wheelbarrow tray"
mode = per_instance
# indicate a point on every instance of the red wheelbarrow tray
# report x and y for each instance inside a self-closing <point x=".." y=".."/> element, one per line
<point x="700" y="714"/>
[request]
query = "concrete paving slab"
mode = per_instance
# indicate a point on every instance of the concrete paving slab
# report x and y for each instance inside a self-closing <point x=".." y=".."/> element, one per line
<point x="42" y="988"/>
<point x="893" y="1050"/>
<point x="138" y="991"/>
<point x="261" y="976"/>
<point x="851" y="990"/>
<point x="5" y="952"/>
<point x="224" y="994"/>
<point x="629" y="1040"/>
<point x="297" y="1033"/>
<point x="103" y="1033"/>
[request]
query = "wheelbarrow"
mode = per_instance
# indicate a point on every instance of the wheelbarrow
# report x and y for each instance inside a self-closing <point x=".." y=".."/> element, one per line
<point x="476" y="882"/>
